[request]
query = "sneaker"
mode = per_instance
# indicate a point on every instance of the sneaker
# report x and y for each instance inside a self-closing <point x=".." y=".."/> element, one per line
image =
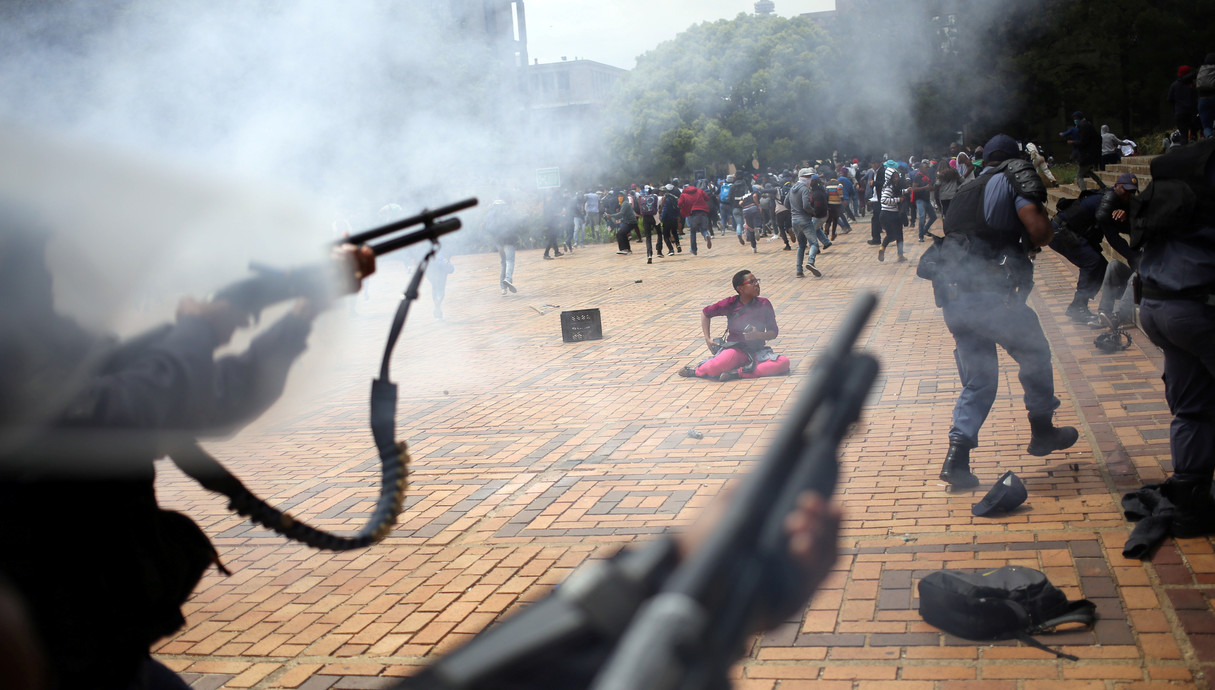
<point x="882" y="254"/>
<point x="814" y="271"/>
<point x="754" y="250"/>
<point x="621" y="252"/>
<point x="504" y="292"/>
<point x="787" y="248"/>
<point x="800" y="275"/>
<point x="730" y="375"/>
<point x="740" y="240"/>
<point x="874" y="242"/>
<point x="708" y="243"/>
<point x="557" y="253"/>
<point x="508" y="286"/>
<point x="688" y="371"/>
<point x="678" y="249"/>
<point x="901" y="260"/>
<point x="649" y="259"/>
<point x="551" y="258"/>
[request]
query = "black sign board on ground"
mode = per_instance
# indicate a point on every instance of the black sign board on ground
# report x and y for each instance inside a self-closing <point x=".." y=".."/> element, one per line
<point x="581" y="324"/>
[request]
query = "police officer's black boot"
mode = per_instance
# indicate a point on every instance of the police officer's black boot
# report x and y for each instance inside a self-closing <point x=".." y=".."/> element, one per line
<point x="1078" y="310"/>
<point x="1193" y="507"/>
<point x="956" y="470"/>
<point x="1048" y="438"/>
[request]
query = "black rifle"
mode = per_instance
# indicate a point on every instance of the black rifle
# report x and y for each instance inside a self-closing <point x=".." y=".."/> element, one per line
<point x="641" y="621"/>
<point x="270" y="286"/>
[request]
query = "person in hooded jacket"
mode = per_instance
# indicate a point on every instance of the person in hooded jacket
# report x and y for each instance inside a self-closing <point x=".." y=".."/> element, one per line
<point x="694" y="207"/>
<point x="1204" y="85"/>
<point x="1184" y="99"/>
<point x="668" y="219"/>
<point x="1111" y="147"/>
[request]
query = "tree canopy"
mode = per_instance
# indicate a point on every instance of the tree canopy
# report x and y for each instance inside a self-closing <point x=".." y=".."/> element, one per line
<point x="897" y="76"/>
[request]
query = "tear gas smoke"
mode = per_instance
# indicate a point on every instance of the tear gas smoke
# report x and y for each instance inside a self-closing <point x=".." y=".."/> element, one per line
<point x="162" y="146"/>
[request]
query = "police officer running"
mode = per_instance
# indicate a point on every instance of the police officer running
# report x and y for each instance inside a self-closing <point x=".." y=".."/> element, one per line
<point x="984" y="279"/>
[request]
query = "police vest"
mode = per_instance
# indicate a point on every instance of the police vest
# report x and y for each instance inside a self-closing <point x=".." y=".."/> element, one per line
<point x="974" y="255"/>
<point x="966" y="219"/>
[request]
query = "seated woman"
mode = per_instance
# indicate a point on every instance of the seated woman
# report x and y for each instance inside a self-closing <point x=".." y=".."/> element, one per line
<point x="751" y="322"/>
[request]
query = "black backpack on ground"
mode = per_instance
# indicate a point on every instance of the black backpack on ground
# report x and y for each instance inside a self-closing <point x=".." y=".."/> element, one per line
<point x="1005" y="603"/>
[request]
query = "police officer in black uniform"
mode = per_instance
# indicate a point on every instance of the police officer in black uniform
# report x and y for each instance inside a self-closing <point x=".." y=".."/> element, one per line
<point x="1177" y="311"/>
<point x="994" y="224"/>
<point x="1079" y="229"/>
<point x="100" y="568"/>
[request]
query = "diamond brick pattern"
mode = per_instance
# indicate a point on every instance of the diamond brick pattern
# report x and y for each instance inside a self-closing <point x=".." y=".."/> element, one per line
<point x="531" y="456"/>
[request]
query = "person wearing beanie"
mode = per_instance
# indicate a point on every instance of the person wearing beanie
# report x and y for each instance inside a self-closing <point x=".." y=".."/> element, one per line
<point x="982" y="283"/>
<point x="1184" y="99"/>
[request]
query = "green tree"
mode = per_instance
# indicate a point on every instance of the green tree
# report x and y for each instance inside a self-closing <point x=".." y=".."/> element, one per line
<point x="722" y="92"/>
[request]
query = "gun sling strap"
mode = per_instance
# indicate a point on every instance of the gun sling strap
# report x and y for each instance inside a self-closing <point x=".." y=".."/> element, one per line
<point x="394" y="459"/>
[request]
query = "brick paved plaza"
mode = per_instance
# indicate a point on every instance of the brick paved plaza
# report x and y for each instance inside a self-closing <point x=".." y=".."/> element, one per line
<point x="531" y="456"/>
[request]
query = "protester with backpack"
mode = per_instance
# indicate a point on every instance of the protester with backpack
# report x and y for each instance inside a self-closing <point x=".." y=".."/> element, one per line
<point x="668" y="218"/>
<point x="740" y="186"/>
<point x="892" y="192"/>
<point x="647" y="210"/>
<point x="627" y="218"/>
<point x="821" y="204"/>
<point x="801" y="208"/>
<point x="784" y="219"/>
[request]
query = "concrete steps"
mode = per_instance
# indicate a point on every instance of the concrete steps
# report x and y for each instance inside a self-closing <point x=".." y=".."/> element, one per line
<point x="1139" y="165"/>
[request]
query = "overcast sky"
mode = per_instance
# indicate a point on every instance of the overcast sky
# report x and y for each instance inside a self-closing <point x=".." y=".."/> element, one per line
<point x="615" y="32"/>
